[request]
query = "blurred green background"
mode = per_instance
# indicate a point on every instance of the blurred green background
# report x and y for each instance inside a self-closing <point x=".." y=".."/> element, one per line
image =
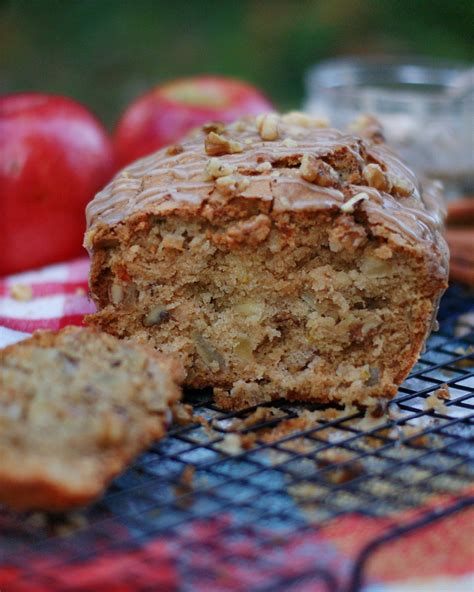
<point x="105" y="53"/>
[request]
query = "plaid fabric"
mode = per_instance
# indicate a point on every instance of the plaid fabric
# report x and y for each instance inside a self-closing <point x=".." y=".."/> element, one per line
<point x="439" y="558"/>
<point x="59" y="298"/>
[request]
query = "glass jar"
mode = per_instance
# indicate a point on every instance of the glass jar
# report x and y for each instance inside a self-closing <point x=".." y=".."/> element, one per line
<point x="426" y="108"/>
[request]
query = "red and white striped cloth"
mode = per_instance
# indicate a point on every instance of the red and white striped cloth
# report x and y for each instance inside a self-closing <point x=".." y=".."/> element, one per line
<point x="58" y="298"/>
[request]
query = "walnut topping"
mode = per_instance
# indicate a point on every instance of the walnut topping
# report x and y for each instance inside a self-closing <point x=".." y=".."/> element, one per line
<point x="401" y="187"/>
<point x="216" y="145"/>
<point x="213" y="126"/>
<point x="304" y="120"/>
<point x="316" y="171"/>
<point x="263" y="167"/>
<point x="290" y="143"/>
<point x="174" y="149"/>
<point x="239" y="126"/>
<point x="215" y="169"/>
<point x="231" y="185"/>
<point x="375" y="177"/>
<point x="267" y="126"/>
<point x="368" y="126"/>
<point x="349" y="205"/>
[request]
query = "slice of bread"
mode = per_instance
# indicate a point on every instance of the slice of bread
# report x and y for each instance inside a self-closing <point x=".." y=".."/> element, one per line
<point x="75" y="407"/>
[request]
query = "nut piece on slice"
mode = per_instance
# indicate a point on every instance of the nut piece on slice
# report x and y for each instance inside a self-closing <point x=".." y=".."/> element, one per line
<point x="76" y="406"/>
<point x="304" y="120"/>
<point x="215" y="169"/>
<point x="267" y="126"/>
<point x="231" y="185"/>
<point x="317" y="171"/>
<point x="217" y="145"/>
<point x="375" y="177"/>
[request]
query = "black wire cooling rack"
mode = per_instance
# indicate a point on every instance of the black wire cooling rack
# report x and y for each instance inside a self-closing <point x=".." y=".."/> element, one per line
<point x="238" y="502"/>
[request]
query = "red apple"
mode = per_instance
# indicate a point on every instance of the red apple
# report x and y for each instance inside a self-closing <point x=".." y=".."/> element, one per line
<point x="54" y="156"/>
<point x="164" y="115"/>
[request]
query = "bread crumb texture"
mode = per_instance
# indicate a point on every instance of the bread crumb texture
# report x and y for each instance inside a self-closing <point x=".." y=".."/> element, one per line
<point x="277" y="257"/>
<point x="75" y="407"/>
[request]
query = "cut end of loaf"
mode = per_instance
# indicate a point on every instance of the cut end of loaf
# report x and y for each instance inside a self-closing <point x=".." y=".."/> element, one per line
<point x="310" y="306"/>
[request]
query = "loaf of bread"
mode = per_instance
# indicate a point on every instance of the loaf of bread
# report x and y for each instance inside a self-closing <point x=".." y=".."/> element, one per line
<point x="75" y="407"/>
<point x="276" y="256"/>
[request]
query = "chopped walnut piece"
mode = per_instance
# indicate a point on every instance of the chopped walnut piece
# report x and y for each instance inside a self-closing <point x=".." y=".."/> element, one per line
<point x="213" y="126"/>
<point x="401" y="187"/>
<point x="21" y="292"/>
<point x="263" y="167"/>
<point x="217" y="145"/>
<point x="443" y="392"/>
<point x="267" y="126"/>
<point x="375" y="177"/>
<point x="368" y="127"/>
<point x="348" y="206"/>
<point x="231" y="444"/>
<point x="304" y="120"/>
<point x="317" y="171"/>
<point x="231" y="185"/>
<point x="435" y="402"/>
<point x="289" y="143"/>
<point x="240" y="125"/>
<point x="182" y="414"/>
<point x="215" y="169"/>
<point x="174" y="149"/>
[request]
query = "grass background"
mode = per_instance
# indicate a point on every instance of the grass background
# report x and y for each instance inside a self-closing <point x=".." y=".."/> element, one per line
<point x="104" y="53"/>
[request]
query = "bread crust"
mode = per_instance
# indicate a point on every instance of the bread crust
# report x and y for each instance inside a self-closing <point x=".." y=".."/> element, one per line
<point x="76" y="406"/>
<point x="410" y="213"/>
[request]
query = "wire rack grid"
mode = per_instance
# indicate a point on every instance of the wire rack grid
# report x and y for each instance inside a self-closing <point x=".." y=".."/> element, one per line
<point x="244" y="501"/>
